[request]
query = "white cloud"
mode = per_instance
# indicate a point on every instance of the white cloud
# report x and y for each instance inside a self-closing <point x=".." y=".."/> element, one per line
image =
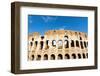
<point x="48" y="18"/>
<point x="62" y="28"/>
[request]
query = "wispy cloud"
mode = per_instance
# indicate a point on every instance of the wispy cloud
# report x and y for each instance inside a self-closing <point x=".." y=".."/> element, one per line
<point x="48" y="18"/>
<point x="62" y="28"/>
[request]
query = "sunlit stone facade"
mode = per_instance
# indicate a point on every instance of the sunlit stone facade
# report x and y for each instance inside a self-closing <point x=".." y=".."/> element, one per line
<point x="58" y="45"/>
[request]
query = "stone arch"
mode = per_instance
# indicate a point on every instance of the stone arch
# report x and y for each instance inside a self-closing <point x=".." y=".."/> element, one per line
<point x="36" y="43"/>
<point x="60" y="56"/>
<point x="32" y="57"/>
<point x="85" y="44"/>
<point x="47" y="44"/>
<point x="67" y="56"/>
<point x="31" y="43"/>
<point x="81" y="43"/>
<point x="66" y="44"/>
<point x="77" y="43"/>
<point x="54" y="43"/>
<point x="72" y="43"/>
<point x="87" y="55"/>
<point x="45" y="57"/>
<point x="32" y="39"/>
<point x="79" y="56"/>
<point x="60" y="44"/>
<point x="74" y="56"/>
<point x="66" y="37"/>
<point x="52" y="57"/>
<point x="38" y="57"/>
<point x="83" y="55"/>
<point x="41" y="44"/>
<point x="80" y="38"/>
<point x="42" y="37"/>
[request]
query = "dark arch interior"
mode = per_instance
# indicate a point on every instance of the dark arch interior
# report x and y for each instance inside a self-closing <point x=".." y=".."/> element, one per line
<point x="52" y="57"/>
<point x="73" y="56"/>
<point x="67" y="44"/>
<point x="45" y="57"/>
<point x="32" y="57"/>
<point x="36" y="42"/>
<point x="85" y="44"/>
<point x="87" y="55"/>
<point x="41" y="43"/>
<point x="42" y="37"/>
<point x="60" y="57"/>
<point x="66" y="36"/>
<point x="77" y="43"/>
<point x="67" y="56"/>
<point x="38" y="57"/>
<point x="81" y="44"/>
<point x="31" y="43"/>
<point x="79" y="56"/>
<point x="32" y="39"/>
<point x="72" y="43"/>
<point x="80" y="38"/>
<point x="83" y="55"/>
<point x="47" y="41"/>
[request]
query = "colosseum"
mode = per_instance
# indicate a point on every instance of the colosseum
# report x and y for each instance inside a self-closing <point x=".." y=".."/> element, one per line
<point x="58" y="45"/>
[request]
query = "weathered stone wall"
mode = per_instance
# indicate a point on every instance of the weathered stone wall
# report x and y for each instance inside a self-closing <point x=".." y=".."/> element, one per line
<point x="58" y="44"/>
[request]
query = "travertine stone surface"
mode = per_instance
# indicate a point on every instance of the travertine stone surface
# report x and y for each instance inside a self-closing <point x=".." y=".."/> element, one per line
<point x="58" y="45"/>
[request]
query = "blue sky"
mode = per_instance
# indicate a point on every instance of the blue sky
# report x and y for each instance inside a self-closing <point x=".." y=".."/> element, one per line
<point x="43" y="23"/>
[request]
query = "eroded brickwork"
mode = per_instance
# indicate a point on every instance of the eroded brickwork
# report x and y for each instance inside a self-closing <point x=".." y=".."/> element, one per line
<point x="57" y="45"/>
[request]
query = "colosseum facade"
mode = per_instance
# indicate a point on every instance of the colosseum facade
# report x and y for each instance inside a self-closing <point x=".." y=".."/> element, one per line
<point x="57" y="45"/>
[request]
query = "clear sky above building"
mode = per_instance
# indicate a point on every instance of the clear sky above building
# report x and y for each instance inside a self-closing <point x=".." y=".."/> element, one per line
<point x="43" y="23"/>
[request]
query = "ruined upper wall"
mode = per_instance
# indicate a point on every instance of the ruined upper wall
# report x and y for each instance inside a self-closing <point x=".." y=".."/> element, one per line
<point x="60" y="34"/>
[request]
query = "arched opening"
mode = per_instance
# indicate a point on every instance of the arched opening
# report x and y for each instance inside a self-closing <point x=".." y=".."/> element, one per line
<point x="41" y="45"/>
<point x="32" y="57"/>
<point x="80" y="38"/>
<point x="66" y="37"/>
<point x="66" y="43"/>
<point x="81" y="43"/>
<point x="72" y="43"/>
<point x="60" y="56"/>
<point x="45" y="57"/>
<point x="67" y="56"/>
<point x="87" y="55"/>
<point x="60" y="44"/>
<point x="32" y="39"/>
<point x="84" y="55"/>
<point x="38" y="57"/>
<point x="79" y="56"/>
<point x="42" y="37"/>
<point x="54" y="43"/>
<point x="31" y="43"/>
<point x="85" y="44"/>
<point x="77" y="43"/>
<point x="47" y="42"/>
<point x="52" y="57"/>
<point x="36" y="42"/>
<point x="74" y="56"/>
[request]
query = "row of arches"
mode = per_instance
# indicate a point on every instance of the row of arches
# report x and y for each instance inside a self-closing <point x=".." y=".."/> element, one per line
<point x="82" y="44"/>
<point x="60" y="56"/>
<point x="66" y="37"/>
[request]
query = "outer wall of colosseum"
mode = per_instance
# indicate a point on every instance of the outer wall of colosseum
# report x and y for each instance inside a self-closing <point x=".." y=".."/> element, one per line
<point x="57" y="45"/>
